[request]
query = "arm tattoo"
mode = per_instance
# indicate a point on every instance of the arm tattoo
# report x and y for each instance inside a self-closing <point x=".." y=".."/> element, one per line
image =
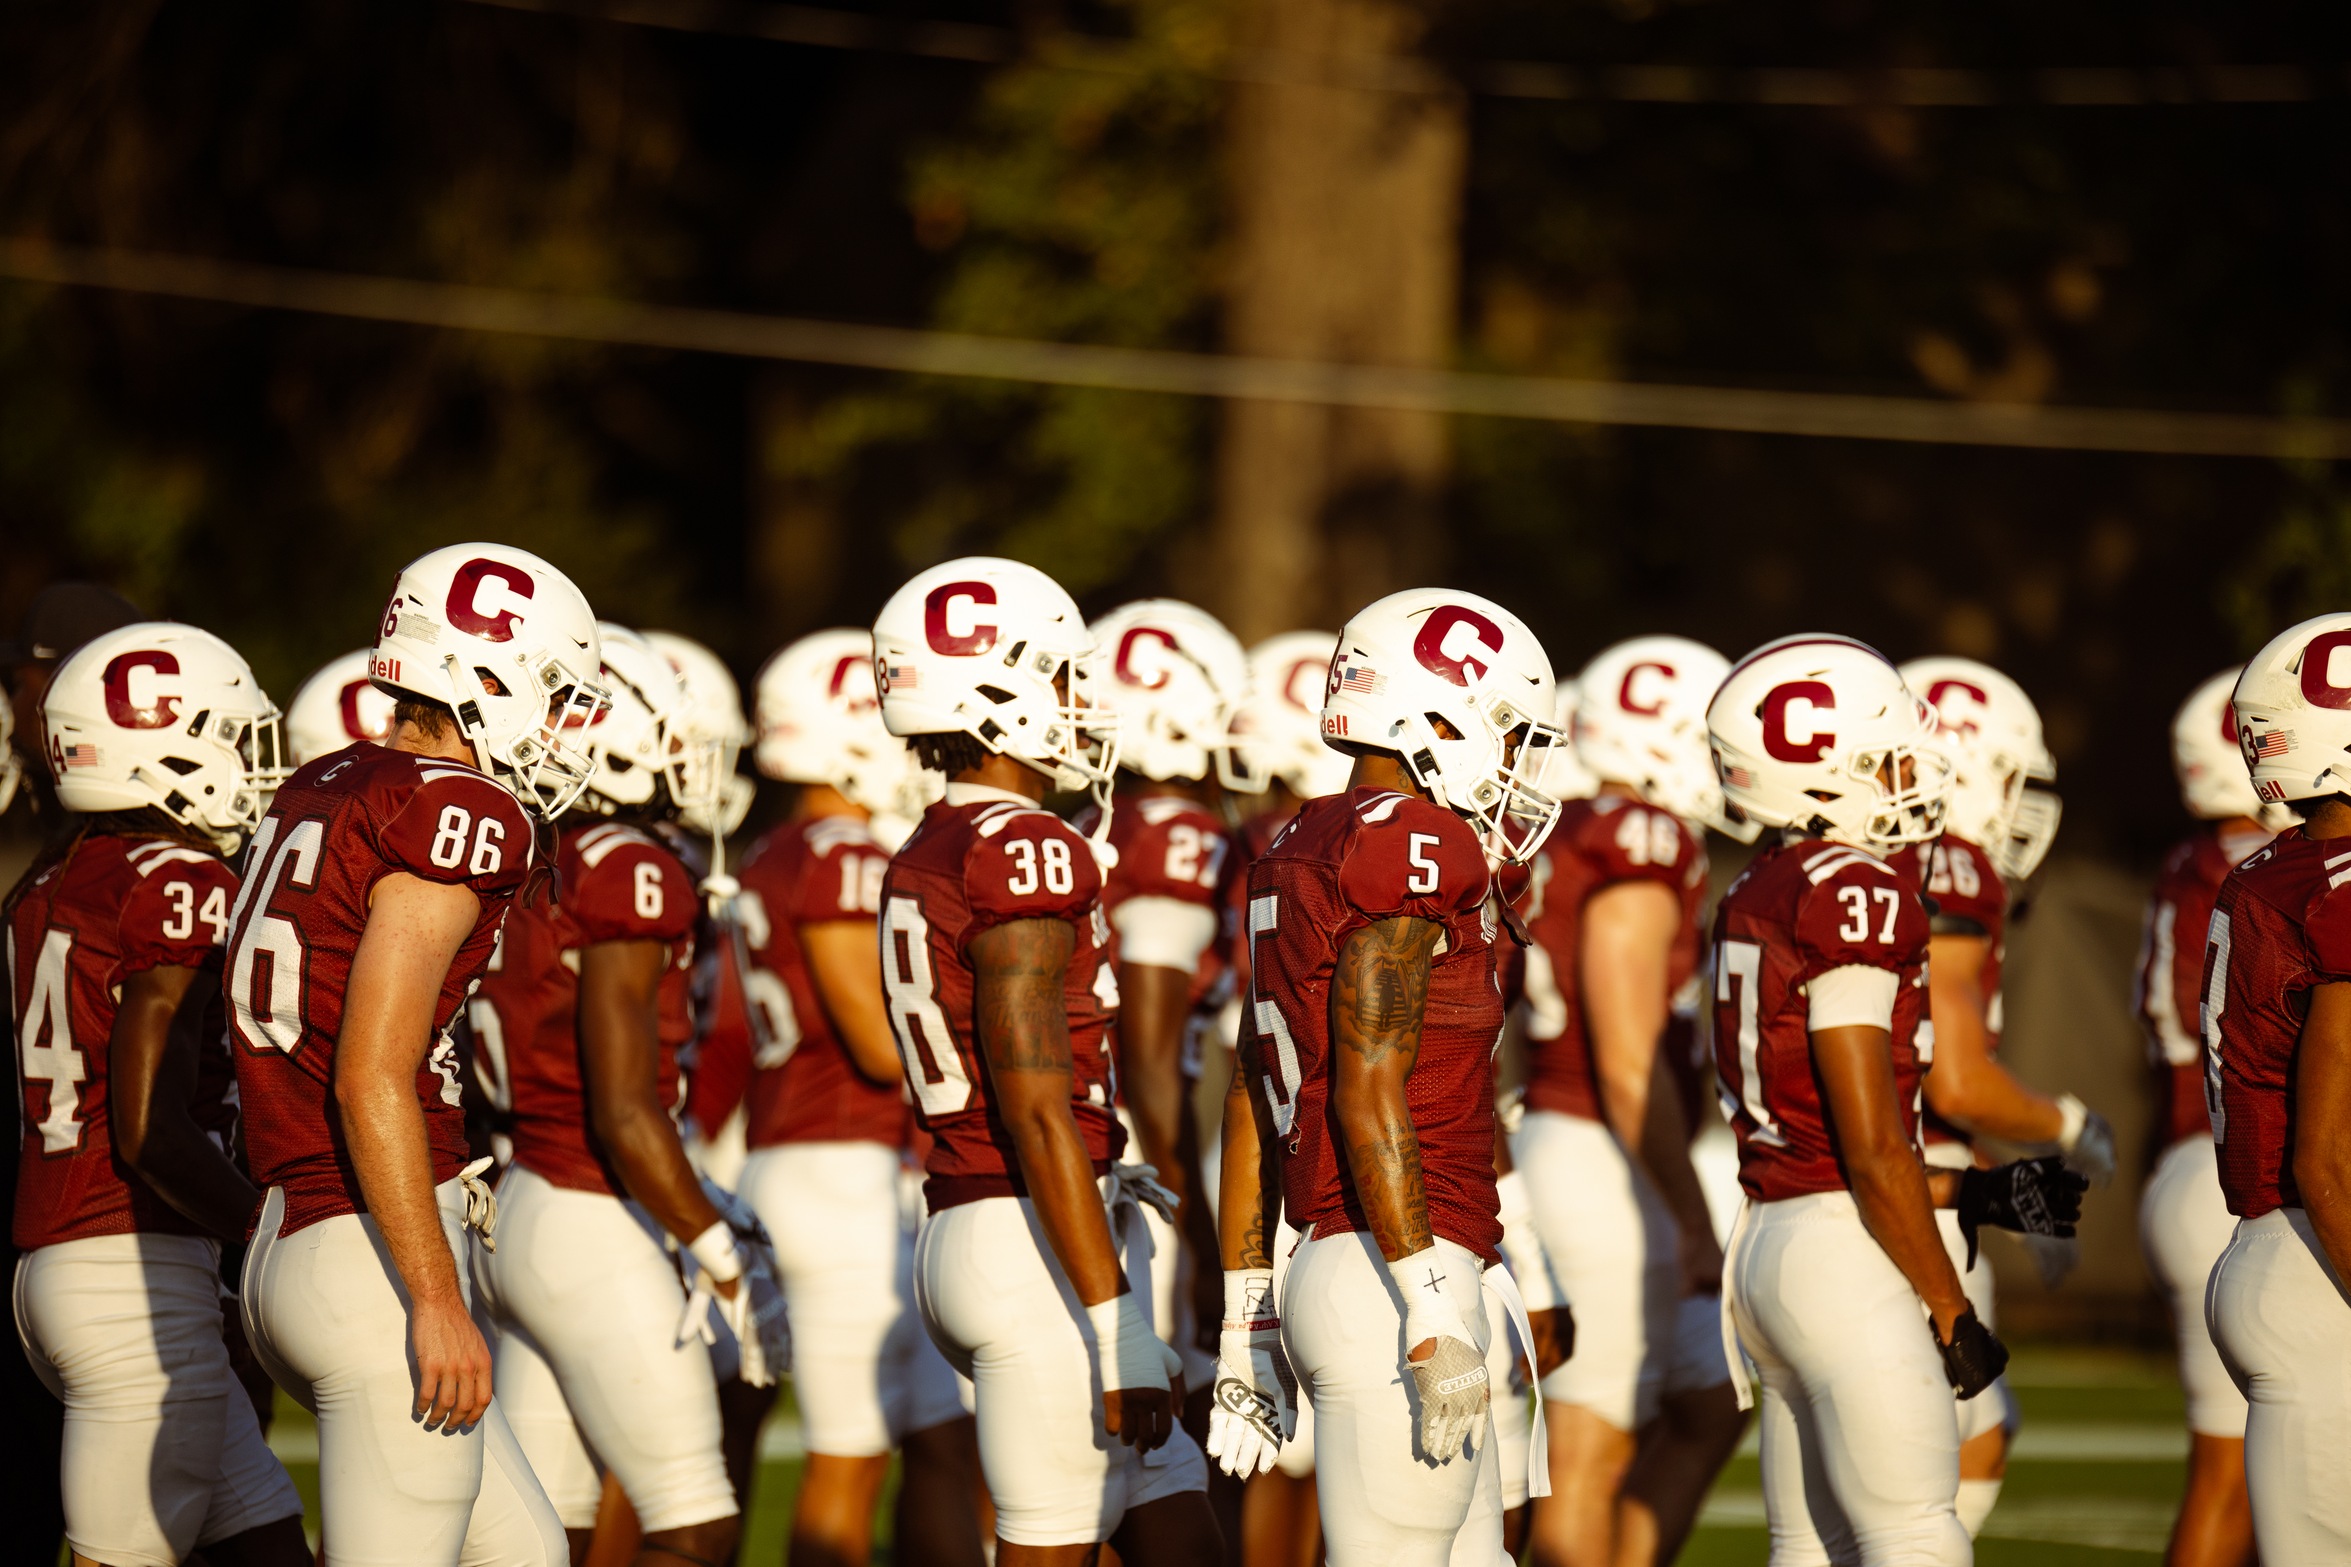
<point x="1393" y="1164"/>
<point x="1019" y="970"/>
<point x="1379" y="993"/>
<point x="1380" y="988"/>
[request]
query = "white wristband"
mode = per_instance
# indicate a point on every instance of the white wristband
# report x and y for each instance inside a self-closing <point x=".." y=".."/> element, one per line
<point x="2076" y="1116"/>
<point x="1126" y="1351"/>
<point x="714" y="1249"/>
<point x="1420" y="1278"/>
<point x="1516" y="1208"/>
<point x="1248" y="1298"/>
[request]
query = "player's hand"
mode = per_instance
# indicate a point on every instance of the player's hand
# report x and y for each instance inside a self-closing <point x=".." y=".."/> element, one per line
<point x="1440" y="1356"/>
<point x="2031" y="1197"/>
<point x="1140" y="1374"/>
<point x="1972" y="1358"/>
<point x="1256" y="1405"/>
<point x="452" y="1364"/>
<point x="2086" y="1140"/>
<point x="1554" y="1330"/>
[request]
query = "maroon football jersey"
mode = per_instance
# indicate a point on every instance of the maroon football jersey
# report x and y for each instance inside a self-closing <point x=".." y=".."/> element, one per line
<point x="2278" y="930"/>
<point x="341" y="824"/>
<point x="1966" y="896"/>
<point x="1797" y="911"/>
<point x="1348" y="861"/>
<point x="1256" y="837"/>
<point x="618" y="883"/>
<point x="1598" y="843"/>
<point x="967" y="869"/>
<point x="2167" y="991"/>
<point x="806" y="1088"/>
<point x="1169" y="847"/>
<point x="113" y="908"/>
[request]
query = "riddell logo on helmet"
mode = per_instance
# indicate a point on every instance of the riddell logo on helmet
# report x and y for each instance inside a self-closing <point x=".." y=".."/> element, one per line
<point x="1458" y="644"/>
<point x="140" y="705"/>
<point x="1778" y="739"/>
<point x="1633" y="704"/>
<point x="1149" y="671"/>
<point x="2319" y="688"/>
<point x="953" y="601"/>
<point x="471" y="609"/>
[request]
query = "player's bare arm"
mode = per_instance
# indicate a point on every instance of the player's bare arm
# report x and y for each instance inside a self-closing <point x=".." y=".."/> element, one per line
<point x="1626" y="949"/>
<point x="842" y="961"/>
<point x="1249" y="1193"/>
<point x="2322" y="1113"/>
<point x="620" y="1063"/>
<point x="152" y="1066"/>
<point x="1968" y="1086"/>
<point x="1019" y="970"/>
<point x="1887" y="1178"/>
<point x="1154" y="1002"/>
<point x="1379" y="992"/>
<point x="414" y="930"/>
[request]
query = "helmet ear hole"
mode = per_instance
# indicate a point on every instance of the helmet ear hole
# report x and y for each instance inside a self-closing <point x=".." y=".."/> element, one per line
<point x="182" y="766"/>
<point x="1442" y="726"/>
<point x="995" y="694"/>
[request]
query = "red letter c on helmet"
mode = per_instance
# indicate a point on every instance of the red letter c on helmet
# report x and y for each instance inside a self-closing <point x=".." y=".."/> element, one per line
<point x="1773" y="710"/>
<point x="466" y="609"/>
<point x="1458" y="644"/>
<point x="1945" y="719"/>
<point x="125" y="706"/>
<point x="2317" y="689"/>
<point x="941" y="604"/>
<point x="1154" y="674"/>
<point x="1633" y="704"/>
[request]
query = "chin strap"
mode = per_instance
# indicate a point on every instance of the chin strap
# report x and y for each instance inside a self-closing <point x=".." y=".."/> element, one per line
<point x="1105" y="856"/>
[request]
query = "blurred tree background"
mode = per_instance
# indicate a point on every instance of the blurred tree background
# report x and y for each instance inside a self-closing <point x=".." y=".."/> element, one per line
<point x="1135" y="173"/>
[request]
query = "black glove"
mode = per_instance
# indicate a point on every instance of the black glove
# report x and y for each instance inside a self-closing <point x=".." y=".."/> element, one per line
<point x="1974" y="1359"/>
<point x="2032" y="1197"/>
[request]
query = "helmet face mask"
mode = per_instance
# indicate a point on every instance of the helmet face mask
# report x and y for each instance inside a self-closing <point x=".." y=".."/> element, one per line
<point x="509" y="646"/>
<point x="709" y="733"/>
<point x="634" y="750"/>
<point x="165" y="716"/>
<point x="2001" y="767"/>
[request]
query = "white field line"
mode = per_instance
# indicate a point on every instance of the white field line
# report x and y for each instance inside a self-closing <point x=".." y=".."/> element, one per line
<point x="2079" y="1442"/>
<point x="2114" y="1522"/>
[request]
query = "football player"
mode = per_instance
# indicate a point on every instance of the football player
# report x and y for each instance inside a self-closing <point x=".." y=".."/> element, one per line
<point x="1604" y="1148"/>
<point x="1820" y="952"/>
<point x="336" y="705"/>
<point x="829" y="1124"/>
<point x="1365" y="1107"/>
<point x="2184" y="1220"/>
<point x="992" y="961"/>
<point x="1174" y="677"/>
<point x="1999" y="819"/>
<point x="373" y="895"/>
<point x="2276" y="1006"/>
<point x="590" y="1000"/>
<point x="712" y="729"/>
<point x="124" y="1188"/>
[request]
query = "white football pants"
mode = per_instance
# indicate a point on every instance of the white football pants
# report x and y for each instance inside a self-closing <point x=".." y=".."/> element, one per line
<point x="863" y="1370"/>
<point x="1860" y="1433"/>
<point x="328" y="1317"/>
<point x="2283" y="1327"/>
<point x="2184" y="1226"/>
<point x="1383" y="1503"/>
<point x="1000" y="1309"/>
<point x="162" y="1453"/>
<point x="1616" y="1252"/>
<point x="590" y="1366"/>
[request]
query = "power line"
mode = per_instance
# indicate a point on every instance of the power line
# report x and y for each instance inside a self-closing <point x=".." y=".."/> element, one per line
<point x="1922" y="87"/>
<point x="470" y="308"/>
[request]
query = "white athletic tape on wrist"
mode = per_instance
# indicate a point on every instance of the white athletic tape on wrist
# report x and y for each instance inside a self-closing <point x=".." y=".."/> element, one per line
<point x="714" y="1249"/>
<point x="2076" y="1116"/>
<point x="1428" y="1312"/>
<point x="1248" y="1299"/>
<point x="1126" y="1351"/>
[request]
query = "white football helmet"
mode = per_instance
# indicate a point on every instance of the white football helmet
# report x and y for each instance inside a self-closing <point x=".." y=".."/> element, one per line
<point x="1175" y="676"/>
<point x="164" y="715"/>
<point x="2214" y="784"/>
<point x="1569" y="778"/>
<point x="820" y="722"/>
<point x="2293" y="706"/>
<point x="715" y="796"/>
<point x="996" y="650"/>
<point x="1819" y="733"/>
<point x="1640" y="721"/>
<point x="634" y="753"/>
<point x="336" y="706"/>
<point x="1992" y="733"/>
<point x="471" y="617"/>
<point x="1277" y="730"/>
<point x="1426" y="661"/>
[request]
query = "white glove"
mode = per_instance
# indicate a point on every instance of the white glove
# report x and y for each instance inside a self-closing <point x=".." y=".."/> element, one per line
<point x="1453" y="1384"/>
<point x="1137" y="1186"/>
<point x="736" y="1250"/>
<point x="1522" y="1248"/>
<point x="1127" y="1354"/>
<point x="2086" y="1140"/>
<point x="1256" y="1405"/>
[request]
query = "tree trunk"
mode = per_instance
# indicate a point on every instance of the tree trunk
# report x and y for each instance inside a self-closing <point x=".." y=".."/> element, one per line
<point x="1346" y="217"/>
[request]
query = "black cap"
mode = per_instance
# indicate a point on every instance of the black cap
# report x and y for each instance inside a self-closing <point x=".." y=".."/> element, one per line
<point x="63" y="617"/>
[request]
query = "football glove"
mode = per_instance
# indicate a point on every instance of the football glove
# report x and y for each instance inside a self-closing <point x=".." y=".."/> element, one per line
<point x="2032" y="1197"/>
<point x="2086" y="1140"/>
<point x="1256" y="1406"/>
<point x="1137" y="1186"/>
<point x="1973" y="1359"/>
<point x="1453" y="1385"/>
<point x="737" y="1250"/>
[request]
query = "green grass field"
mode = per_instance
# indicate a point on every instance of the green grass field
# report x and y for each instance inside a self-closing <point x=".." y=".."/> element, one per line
<point x="2094" y="1479"/>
